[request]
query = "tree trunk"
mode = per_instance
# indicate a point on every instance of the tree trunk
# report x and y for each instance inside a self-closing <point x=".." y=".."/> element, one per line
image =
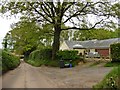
<point x="56" y="42"/>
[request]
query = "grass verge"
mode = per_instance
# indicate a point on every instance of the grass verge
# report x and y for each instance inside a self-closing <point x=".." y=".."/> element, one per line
<point x="111" y="80"/>
<point x="112" y="64"/>
<point x="38" y="63"/>
<point x="52" y="63"/>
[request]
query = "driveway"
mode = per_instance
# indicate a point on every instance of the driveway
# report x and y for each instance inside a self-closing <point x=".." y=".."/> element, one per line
<point x="26" y="76"/>
<point x="81" y="76"/>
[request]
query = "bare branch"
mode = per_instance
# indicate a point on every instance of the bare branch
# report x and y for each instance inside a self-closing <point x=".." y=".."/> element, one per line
<point x="40" y="13"/>
<point x="45" y="11"/>
<point x="76" y="13"/>
<point x="76" y="28"/>
<point x="64" y="4"/>
<point x="52" y="8"/>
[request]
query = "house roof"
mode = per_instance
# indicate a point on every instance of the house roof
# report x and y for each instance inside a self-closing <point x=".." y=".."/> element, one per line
<point x="93" y="43"/>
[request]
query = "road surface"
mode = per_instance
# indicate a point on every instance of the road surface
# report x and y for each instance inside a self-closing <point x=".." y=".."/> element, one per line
<point x="27" y="76"/>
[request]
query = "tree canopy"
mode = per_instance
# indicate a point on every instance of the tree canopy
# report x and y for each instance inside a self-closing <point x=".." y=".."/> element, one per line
<point x="59" y="13"/>
<point x="26" y="36"/>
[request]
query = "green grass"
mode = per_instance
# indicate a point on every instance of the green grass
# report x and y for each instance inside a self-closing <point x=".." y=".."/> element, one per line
<point x="52" y="63"/>
<point x="38" y="63"/>
<point x="112" y="64"/>
<point x="115" y="73"/>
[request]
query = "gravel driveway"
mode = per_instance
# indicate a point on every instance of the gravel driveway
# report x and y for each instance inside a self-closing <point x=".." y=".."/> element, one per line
<point x="81" y="76"/>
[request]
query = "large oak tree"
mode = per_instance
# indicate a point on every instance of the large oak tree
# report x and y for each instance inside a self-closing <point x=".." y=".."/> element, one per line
<point x="58" y="13"/>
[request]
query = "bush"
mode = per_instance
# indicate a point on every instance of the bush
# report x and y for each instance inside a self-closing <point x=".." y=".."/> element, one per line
<point x="9" y="61"/>
<point x="44" y="57"/>
<point x="115" y="52"/>
<point x="67" y="55"/>
<point x="42" y="54"/>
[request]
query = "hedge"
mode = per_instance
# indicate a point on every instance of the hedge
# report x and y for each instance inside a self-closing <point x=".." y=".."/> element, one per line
<point x="68" y="54"/>
<point x="42" y="54"/>
<point x="115" y="52"/>
<point x="9" y="61"/>
<point x="44" y="57"/>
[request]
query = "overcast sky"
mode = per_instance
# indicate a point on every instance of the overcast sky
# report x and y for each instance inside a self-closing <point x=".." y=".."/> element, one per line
<point x="5" y="26"/>
<point x="6" y="22"/>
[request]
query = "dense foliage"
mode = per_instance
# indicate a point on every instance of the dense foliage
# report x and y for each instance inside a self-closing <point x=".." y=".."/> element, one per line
<point x="115" y="52"/>
<point x="42" y="54"/>
<point x="68" y="54"/>
<point x="99" y="34"/>
<point x="44" y="57"/>
<point x="27" y="36"/>
<point x="9" y="61"/>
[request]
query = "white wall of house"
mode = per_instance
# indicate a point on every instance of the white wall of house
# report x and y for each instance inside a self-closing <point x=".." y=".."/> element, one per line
<point x="64" y="46"/>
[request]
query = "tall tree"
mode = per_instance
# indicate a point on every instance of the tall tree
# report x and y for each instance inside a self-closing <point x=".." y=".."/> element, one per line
<point x="99" y="34"/>
<point x="27" y="35"/>
<point x="59" y="13"/>
<point x="22" y="35"/>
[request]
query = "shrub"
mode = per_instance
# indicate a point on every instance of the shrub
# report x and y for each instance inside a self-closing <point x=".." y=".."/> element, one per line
<point x="42" y="54"/>
<point x="44" y="57"/>
<point x="67" y="54"/>
<point x="115" y="52"/>
<point x="41" y="57"/>
<point x="9" y="61"/>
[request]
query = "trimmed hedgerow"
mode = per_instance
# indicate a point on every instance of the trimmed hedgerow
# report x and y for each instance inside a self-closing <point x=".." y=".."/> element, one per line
<point x="42" y="54"/>
<point x="41" y="57"/>
<point x="68" y="54"/>
<point x="115" y="52"/>
<point x="9" y="61"/>
<point x="44" y="57"/>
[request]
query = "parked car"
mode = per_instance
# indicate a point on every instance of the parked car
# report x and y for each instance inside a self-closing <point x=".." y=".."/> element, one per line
<point x="93" y="55"/>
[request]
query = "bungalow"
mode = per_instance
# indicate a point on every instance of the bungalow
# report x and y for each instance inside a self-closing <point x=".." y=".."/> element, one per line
<point x="100" y="46"/>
